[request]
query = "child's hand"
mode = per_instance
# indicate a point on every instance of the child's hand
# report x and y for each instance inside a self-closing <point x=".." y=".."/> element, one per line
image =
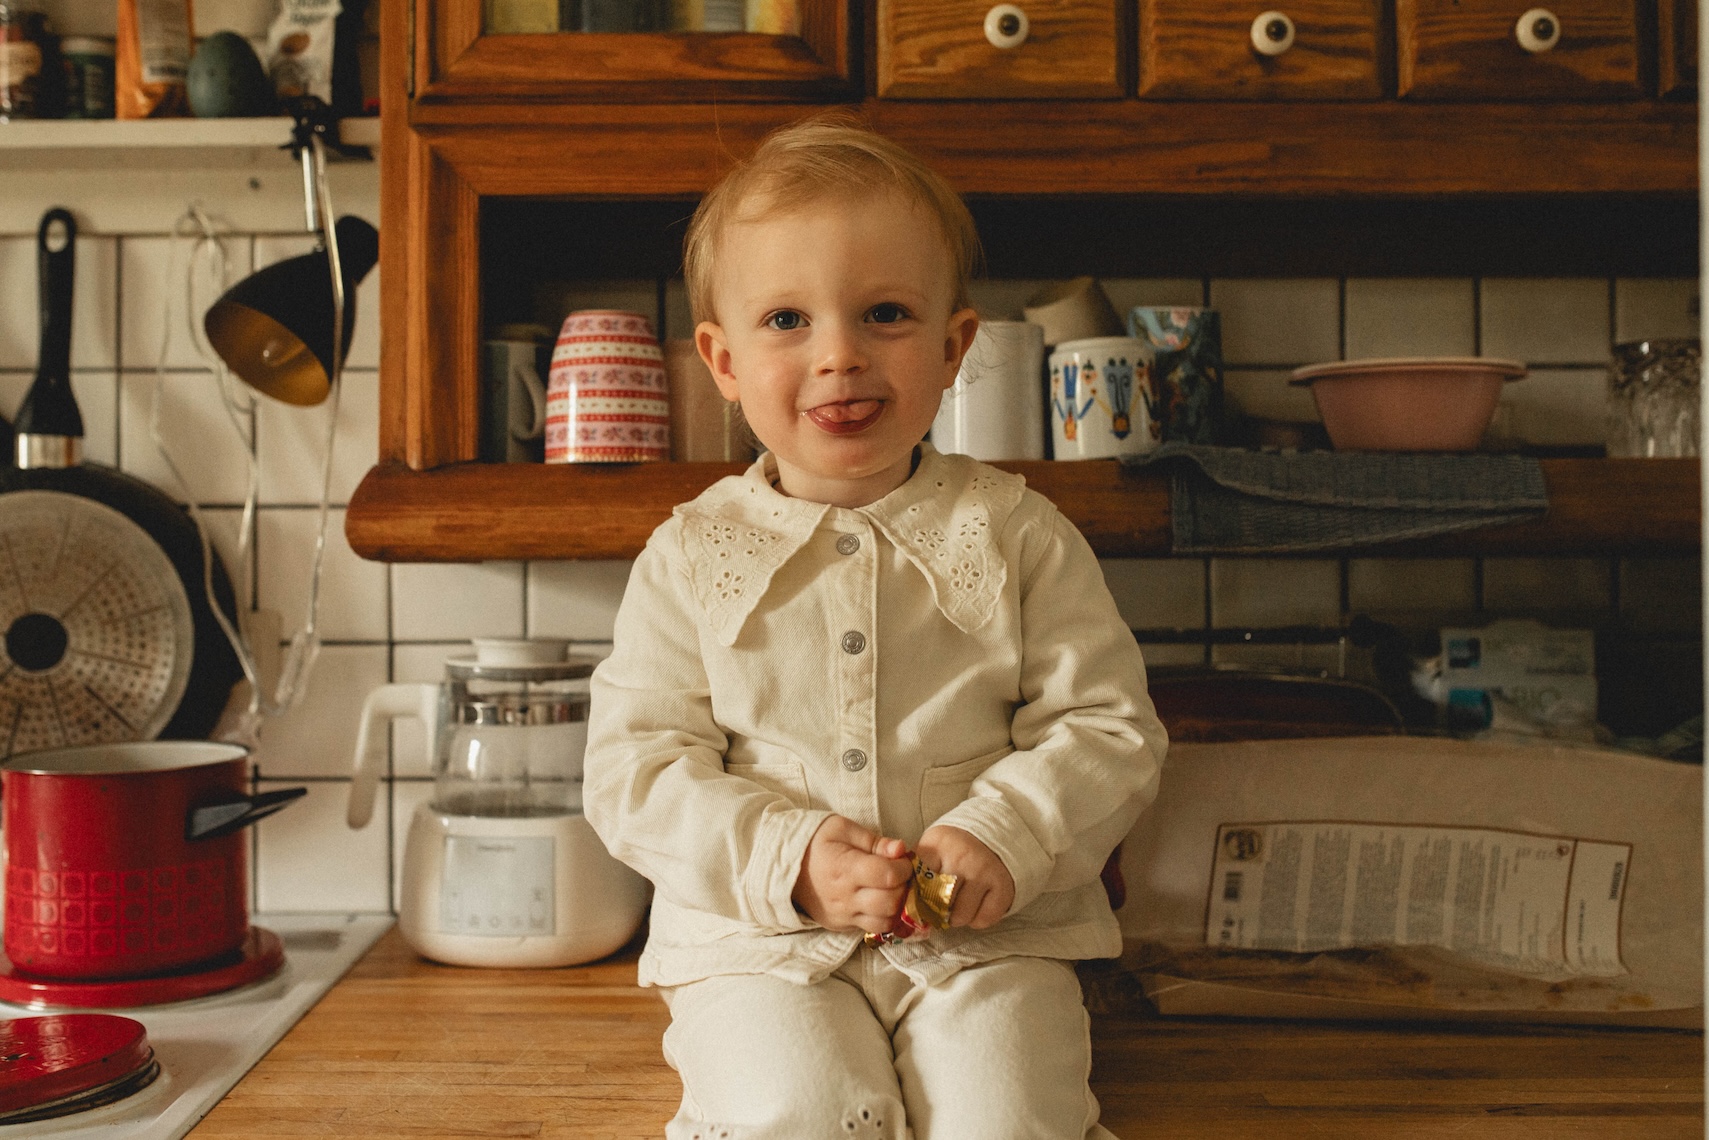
<point x="987" y="889"/>
<point x="852" y="879"/>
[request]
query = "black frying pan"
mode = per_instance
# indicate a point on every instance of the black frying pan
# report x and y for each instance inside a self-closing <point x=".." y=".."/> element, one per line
<point x="37" y="643"/>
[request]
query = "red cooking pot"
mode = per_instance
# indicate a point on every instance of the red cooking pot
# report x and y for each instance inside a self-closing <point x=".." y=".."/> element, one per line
<point x="128" y="860"/>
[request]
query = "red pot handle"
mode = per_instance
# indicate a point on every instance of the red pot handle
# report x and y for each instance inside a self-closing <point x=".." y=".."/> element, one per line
<point x="228" y="815"/>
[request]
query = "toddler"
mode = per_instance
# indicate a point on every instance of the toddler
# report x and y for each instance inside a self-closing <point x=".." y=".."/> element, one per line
<point x="859" y="651"/>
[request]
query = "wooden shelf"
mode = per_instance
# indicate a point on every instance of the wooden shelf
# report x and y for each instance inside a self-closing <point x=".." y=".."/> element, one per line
<point x="471" y="512"/>
<point x="159" y="143"/>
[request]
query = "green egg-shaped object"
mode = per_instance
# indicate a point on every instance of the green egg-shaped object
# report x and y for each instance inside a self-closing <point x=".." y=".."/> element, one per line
<point x="226" y="79"/>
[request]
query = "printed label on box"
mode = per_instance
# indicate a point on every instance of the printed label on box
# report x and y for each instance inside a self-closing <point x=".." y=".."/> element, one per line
<point x="1527" y="903"/>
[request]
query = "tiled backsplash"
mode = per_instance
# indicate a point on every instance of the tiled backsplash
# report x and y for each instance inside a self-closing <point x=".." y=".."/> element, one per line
<point x="383" y="623"/>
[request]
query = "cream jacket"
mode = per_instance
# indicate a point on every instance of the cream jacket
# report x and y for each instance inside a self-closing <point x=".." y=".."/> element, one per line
<point x="946" y="655"/>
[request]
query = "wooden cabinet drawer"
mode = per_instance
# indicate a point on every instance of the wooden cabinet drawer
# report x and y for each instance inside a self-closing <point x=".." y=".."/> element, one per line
<point x="939" y="49"/>
<point x="1207" y="49"/>
<point x="1472" y="49"/>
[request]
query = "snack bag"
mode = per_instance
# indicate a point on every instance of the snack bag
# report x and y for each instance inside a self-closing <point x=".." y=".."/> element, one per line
<point x="299" y="48"/>
<point x="152" y="59"/>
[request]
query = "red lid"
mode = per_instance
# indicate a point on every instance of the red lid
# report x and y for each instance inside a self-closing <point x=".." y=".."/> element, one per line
<point x="44" y="1059"/>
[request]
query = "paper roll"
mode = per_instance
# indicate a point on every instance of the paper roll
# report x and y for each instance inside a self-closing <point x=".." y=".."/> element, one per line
<point x="996" y="408"/>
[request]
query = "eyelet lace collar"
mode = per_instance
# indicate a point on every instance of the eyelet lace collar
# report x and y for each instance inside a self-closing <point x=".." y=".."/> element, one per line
<point x="945" y="519"/>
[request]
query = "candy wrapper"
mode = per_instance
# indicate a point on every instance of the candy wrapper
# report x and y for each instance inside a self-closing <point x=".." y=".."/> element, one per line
<point x="925" y="906"/>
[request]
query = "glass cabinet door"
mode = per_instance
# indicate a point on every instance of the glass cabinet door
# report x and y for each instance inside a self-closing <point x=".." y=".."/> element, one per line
<point x="764" y="17"/>
<point x="530" y="51"/>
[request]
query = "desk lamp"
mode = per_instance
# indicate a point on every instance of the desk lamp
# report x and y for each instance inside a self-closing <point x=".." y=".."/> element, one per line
<point x="285" y="331"/>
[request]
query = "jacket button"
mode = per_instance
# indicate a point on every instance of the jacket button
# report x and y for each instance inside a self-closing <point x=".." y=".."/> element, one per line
<point x="854" y="759"/>
<point x="854" y="641"/>
<point x="848" y="544"/>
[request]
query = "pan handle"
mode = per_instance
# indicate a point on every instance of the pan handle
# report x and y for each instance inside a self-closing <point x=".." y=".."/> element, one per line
<point x="226" y="816"/>
<point x="49" y="408"/>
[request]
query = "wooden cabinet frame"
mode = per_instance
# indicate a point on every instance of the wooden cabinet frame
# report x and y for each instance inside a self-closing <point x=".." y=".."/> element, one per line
<point x="443" y="154"/>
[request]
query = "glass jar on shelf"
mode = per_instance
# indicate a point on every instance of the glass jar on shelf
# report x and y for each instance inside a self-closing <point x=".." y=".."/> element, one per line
<point x="1653" y="399"/>
<point x="29" y="64"/>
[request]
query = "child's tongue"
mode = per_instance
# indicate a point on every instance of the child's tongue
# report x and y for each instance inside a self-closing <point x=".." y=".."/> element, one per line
<point x="846" y="415"/>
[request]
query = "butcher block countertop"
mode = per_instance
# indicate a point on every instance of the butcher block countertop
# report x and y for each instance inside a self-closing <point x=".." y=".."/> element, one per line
<point x="405" y="1048"/>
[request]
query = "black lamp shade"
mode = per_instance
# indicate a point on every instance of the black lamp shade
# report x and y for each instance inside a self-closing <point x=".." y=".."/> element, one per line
<point x="274" y="328"/>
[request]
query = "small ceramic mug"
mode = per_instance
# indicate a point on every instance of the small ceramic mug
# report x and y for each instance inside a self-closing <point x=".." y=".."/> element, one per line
<point x="1102" y="399"/>
<point x="1187" y="343"/>
<point x="514" y="398"/>
<point x="608" y="400"/>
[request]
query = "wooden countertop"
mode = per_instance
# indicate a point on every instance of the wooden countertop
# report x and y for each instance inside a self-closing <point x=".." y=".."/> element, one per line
<point x="406" y="1048"/>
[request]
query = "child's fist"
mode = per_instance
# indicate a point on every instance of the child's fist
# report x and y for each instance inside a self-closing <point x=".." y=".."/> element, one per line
<point x="987" y="889"/>
<point x="850" y="878"/>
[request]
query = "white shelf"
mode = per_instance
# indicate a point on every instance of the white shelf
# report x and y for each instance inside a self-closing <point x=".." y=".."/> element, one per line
<point x="158" y="143"/>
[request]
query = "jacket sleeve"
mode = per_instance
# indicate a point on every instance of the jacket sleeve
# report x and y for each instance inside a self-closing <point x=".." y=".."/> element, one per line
<point x="654" y="785"/>
<point x="1088" y="744"/>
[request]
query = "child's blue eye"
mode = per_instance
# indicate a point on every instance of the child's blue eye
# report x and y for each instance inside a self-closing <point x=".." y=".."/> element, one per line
<point x="887" y="313"/>
<point x="784" y="321"/>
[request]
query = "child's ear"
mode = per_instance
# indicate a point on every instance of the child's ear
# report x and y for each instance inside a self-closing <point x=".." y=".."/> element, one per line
<point x="709" y="340"/>
<point x="963" y="324"/>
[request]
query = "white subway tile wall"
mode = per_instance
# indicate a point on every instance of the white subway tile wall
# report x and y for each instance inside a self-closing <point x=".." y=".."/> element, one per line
<point x="1656" y="308"/>
<point x="400" y="623"/>
<point x="1278" y="322"/>
<point x="1547" y="321"/>
<point x="290" y="442"/>
<point x="1265" y="394"/>
<point x="94" y="304"/>
<point x="1388" y="317"/>
<point x="456" y="601"/>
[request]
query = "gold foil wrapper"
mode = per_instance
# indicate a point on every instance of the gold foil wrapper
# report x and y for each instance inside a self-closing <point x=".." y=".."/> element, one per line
<point x="925" y="906"/>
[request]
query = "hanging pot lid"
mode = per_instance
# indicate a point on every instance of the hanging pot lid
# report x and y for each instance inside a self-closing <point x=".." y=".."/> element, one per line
<point x="64" y="1063"/>
<point x="96" y="633"/>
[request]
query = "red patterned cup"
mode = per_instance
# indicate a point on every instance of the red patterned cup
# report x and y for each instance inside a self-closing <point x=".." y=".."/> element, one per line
<point x="607" y="400"/>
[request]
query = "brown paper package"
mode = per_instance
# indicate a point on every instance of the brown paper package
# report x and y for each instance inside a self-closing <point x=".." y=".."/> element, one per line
<point x="705" y="428"/>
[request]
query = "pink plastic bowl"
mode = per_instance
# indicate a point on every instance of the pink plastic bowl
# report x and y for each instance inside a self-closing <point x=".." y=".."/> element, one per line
<point x="1413" y="404"/>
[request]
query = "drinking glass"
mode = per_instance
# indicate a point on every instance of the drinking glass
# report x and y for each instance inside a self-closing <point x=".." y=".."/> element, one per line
<point x="1653" y="398"/>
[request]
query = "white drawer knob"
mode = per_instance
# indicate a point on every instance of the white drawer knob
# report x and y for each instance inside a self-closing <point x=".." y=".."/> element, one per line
<point x="1272" y="33"/>
<point x="1538" y="30"/>
<point x="1006" y="26"/>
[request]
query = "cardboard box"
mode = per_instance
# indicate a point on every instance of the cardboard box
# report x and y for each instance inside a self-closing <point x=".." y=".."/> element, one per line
<point x="1548" y="675"/>
<point x="1419" y="878"/>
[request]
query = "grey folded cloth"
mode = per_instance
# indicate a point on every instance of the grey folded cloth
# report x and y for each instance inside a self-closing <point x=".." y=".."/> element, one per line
<point x="1230" y="500"/>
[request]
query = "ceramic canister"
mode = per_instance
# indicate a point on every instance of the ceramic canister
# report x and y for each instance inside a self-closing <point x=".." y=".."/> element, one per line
<point x="607" y="400"/>
<point x="995" y="410"/>
<point x="1102" y="400"/>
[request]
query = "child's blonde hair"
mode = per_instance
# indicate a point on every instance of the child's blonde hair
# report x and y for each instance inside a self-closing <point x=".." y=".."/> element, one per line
<point x="827" y="155"/>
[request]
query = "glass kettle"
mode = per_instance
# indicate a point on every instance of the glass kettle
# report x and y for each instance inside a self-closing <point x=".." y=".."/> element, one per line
<point x="506" y="731"/>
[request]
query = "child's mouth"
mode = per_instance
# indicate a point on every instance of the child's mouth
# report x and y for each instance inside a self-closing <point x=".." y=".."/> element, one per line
<point x="846" y="417"/>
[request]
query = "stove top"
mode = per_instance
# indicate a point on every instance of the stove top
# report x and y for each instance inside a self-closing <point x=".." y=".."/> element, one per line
<point x="206" y="1045"/>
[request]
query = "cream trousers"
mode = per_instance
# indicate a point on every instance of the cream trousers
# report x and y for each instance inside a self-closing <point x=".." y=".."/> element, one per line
<point x="999" y="1051"/>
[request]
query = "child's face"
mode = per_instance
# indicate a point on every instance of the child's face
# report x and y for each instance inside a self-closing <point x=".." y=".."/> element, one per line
<point x="836" y="333"/>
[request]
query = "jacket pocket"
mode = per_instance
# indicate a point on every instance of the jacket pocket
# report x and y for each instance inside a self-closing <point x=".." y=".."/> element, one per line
<point x="942" y="788"/>
<point x="787" y="778"/>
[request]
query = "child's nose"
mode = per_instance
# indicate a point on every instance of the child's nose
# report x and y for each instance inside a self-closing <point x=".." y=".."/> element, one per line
<point x="840" y="349"/>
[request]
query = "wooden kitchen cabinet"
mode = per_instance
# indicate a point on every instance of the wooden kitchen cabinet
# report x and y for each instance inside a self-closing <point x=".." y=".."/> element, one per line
<point x="1243" y="49"/>
<point x="1511" y="50"/>
<point x="515" y="159"/>
<point x="978" y="49"/>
